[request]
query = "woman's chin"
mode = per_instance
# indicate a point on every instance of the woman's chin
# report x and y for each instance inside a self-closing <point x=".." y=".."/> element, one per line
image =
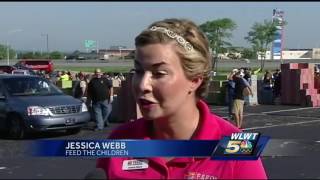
<point x="150" y="115"/>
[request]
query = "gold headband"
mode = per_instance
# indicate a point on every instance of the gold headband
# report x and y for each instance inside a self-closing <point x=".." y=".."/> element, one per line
<point x="187" y="46"/>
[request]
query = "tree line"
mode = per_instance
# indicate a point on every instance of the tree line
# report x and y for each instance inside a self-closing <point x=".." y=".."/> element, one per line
<point x="260" y="37"/>
<point x="27" y="55"/>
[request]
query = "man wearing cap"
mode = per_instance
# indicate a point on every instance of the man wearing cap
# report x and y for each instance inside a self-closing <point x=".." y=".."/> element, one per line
<point x="238" y="99"/>
<point x="100" y="92"/>
<point x="230" y="86"/>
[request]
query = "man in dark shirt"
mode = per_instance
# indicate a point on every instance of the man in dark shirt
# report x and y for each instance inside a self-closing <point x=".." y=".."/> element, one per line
<point x="100" y="92"/>
<point x="277" y="83"/>
<point x="230" y="86"/>
<point x="238" y="102"/>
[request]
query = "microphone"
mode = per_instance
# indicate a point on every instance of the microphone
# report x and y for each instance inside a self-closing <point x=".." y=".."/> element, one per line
<point x="97" y="173"/>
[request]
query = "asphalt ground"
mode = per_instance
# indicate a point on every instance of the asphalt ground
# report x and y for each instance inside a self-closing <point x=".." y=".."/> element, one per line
<point x="292" y="152"/>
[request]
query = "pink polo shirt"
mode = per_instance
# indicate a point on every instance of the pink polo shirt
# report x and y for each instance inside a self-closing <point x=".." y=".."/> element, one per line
<point x="211" y="127"/>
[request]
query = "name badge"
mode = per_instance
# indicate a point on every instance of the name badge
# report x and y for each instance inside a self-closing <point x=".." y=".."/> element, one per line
<point x="134" y="164"/>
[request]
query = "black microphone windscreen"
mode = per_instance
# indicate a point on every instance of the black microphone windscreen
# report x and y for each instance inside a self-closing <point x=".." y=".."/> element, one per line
<point x="97" y="173"/>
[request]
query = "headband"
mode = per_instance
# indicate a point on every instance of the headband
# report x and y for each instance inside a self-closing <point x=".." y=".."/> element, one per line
<point x="187" y="46"/>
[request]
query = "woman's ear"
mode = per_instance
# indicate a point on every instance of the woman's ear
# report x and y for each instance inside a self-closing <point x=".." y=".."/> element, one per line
<point x="195" y="83"/>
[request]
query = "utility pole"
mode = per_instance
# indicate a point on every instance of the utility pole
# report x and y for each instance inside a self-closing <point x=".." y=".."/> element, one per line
<point x="8" y="54"/>
<point x="8" y="48"/>
<point x="47" y="40"/>
<point x="97" y="49"/>
<point x="48" y="45"/>
<point x="120" y="52"/>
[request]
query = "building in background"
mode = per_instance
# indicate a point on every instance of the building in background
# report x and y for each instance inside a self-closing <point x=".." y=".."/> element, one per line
<point x="316" y="53"/>
<point x="277" y="45"/>
<point x="313" y="53"/>
<point x="114" y="52"/>
<point x="120" y="52"/>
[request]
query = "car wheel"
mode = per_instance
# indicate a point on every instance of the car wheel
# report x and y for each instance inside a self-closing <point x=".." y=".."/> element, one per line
<point x="16" y="129"/>
<point x="73" y="130"/>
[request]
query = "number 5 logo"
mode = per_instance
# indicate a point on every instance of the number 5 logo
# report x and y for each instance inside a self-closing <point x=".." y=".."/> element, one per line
<point x="233" y="147"/>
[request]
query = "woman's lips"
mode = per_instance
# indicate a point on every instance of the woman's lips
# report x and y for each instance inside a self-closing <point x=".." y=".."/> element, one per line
<point x="146" y="104"/>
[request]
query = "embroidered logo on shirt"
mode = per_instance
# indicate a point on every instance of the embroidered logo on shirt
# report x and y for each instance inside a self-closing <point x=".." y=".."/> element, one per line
<point x="196" y="175"/>
<point x="135" y="164"/>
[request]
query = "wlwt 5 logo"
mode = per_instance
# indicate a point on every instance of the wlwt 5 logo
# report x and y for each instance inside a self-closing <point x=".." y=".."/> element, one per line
<point x="241" y="143"/>
<point x="240" y="146"/>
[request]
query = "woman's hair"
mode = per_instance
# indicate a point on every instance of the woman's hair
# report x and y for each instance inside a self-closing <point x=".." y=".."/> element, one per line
<point x="192" y="43"/>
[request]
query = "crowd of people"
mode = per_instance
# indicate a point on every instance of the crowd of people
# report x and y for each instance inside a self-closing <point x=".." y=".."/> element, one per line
<point x="239" y="90"/>
<point x="272" y="81"/>
<point x="96" y="90"/>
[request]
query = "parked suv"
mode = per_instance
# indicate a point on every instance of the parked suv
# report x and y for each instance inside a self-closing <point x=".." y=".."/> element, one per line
<point x="38" y="65"/>
<point x="32" y="103"/>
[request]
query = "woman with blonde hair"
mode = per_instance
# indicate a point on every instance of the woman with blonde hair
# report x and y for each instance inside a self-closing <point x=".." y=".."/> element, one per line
<point x="171" y="76"/>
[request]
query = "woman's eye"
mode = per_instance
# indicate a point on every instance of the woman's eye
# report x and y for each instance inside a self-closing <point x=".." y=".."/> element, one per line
<point x="159" y="73"/>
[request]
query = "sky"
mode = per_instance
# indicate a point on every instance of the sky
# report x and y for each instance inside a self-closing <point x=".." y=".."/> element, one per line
<point x="24" y="25"/>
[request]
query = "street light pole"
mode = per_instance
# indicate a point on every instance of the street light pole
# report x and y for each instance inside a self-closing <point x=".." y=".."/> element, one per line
<point x="8" y="54"/>
<point x="97" y="49"/>
<point x="48" y="45"/>
<point x="8" y="49"/>
<point x="47" y="40"/>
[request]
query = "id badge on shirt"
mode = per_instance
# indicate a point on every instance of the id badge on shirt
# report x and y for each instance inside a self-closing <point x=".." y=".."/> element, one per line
<point x="135" y="164"/>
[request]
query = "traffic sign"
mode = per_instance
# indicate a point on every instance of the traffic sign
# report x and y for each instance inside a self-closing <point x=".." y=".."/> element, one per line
<point x="90" y="43"/>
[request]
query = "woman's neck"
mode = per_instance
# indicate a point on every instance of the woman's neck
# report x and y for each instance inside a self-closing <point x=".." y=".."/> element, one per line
<point x="180" y="126"/>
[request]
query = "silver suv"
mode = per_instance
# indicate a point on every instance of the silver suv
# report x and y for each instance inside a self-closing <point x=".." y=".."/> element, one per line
<point x="32" y="103"/>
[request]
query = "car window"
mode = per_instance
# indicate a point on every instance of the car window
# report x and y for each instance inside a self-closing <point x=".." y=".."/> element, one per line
<point x="37" y="62"/>
<point x="30" y="86"/>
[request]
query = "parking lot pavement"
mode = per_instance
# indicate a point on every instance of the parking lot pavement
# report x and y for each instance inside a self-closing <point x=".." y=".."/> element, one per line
<point x="292" y="152"/>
